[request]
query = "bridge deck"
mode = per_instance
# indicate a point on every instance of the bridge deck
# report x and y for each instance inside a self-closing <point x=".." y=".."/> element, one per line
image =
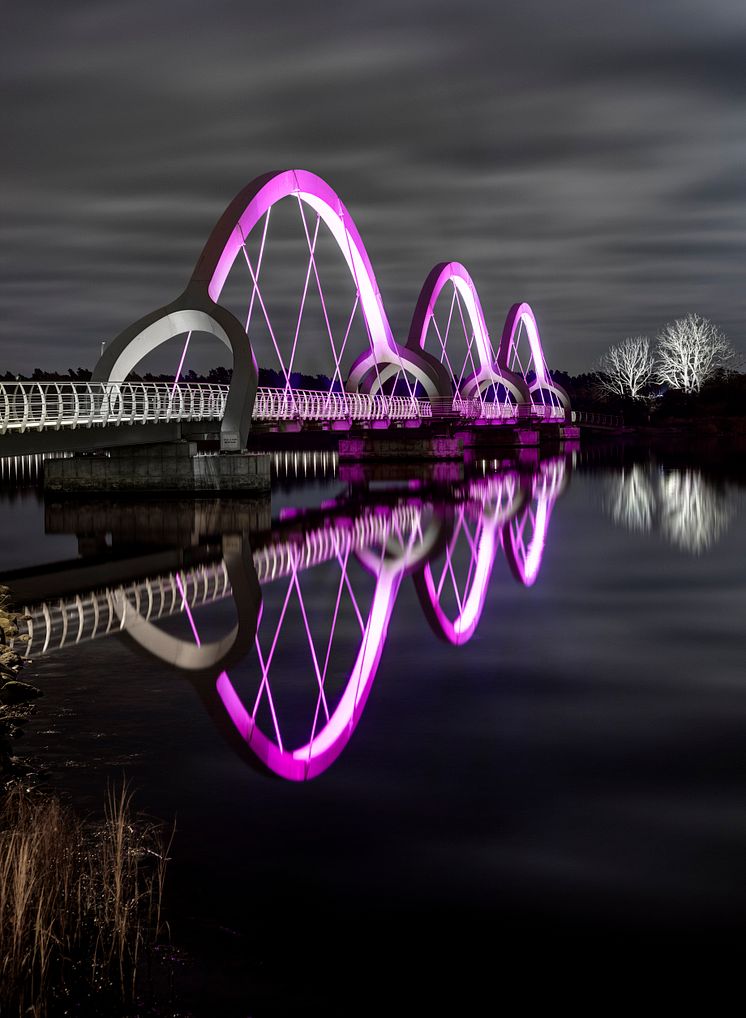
<point x="77" y="416"/>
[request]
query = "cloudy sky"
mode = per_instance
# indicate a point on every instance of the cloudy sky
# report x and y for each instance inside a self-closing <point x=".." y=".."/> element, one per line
<point x="586" y="156"/>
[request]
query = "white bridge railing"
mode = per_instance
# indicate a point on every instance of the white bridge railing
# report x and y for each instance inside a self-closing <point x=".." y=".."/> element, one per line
<point x="38" y="406"/>
<point x="312" y="405"/>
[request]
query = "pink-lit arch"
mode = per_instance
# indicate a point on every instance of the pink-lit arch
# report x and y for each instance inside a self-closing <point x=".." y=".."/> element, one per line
<point x="508" y="515"/>
<point x="311" y="759"/>
<point x="508" y="510"/>
<point x="521" y="316"/>
<point x="478" y="373"/>
<point x="247" y="210"/>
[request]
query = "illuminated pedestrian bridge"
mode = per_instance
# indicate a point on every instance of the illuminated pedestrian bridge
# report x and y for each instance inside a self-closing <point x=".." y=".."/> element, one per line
<point x="326" y="311"/>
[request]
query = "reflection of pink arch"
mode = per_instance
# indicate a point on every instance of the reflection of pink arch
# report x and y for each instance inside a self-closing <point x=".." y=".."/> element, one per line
<point x="525" y="562"/>
<point x="316" y="755"/>
<point x="393" y="559"/>
<point x="323" y="749"/>
<point x="461" y="629"/>
<point x="523" y="559"/>
<point x="309" y="760"/>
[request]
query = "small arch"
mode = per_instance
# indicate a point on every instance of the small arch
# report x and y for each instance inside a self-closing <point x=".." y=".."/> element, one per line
<point x="522" y="314"/>
<point x="192" y="311"/>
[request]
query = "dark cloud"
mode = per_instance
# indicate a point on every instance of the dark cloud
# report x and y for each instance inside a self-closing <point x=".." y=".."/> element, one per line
<point x="583" y="156"/>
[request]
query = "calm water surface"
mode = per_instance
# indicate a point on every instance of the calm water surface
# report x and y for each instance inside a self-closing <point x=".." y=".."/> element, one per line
<point x="436" y="731"/>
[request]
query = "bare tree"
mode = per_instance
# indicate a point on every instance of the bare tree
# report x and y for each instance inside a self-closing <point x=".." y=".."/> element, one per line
<point x="690" y="352"/>
<point x="626" y="368"/>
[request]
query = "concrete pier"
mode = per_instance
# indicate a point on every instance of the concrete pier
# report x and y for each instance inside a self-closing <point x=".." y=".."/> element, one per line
<point x="175" y="466"/>
<point x="560" y="433"/>
<point x="498" y="437"/>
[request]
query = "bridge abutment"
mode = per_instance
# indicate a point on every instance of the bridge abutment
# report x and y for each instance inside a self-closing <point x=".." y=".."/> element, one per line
<point x="401" y="446"/>
<point x="498" y="437"/>
<point x="560" y="433"/>
<point x="176" y="466"/>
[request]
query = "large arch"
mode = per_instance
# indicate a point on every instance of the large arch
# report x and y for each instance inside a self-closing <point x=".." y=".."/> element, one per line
<point x="245" y="212"/>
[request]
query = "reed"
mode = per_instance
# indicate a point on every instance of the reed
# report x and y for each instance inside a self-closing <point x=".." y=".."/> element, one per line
<point x="80" y="904"/>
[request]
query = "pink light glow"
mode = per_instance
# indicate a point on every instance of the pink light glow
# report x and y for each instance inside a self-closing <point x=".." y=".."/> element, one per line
<point x="317" y="194"/>
<point x="525" y="561"/>
<point x="521" y="314"/>
<point x="470" y="607"/>
<point x="386" y="360"/>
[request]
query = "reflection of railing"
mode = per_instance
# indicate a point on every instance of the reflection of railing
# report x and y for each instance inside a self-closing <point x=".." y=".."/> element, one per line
<point x="599" y="420"/>
<point x="38" y="406"/>
<point x="54" y="625"/>
<point x="295" y="465"/>
<point x="87" y="616"/>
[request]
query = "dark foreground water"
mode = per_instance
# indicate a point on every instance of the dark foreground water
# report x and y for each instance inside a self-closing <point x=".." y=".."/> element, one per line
<point x="488" y="738"/>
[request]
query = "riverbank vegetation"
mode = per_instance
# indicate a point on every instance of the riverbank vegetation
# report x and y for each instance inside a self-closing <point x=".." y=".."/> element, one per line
<point x="80" y="904"/>
<point x="80" y="900"/>
<point x="690" y="371"/>
<point x="689" y="377"/>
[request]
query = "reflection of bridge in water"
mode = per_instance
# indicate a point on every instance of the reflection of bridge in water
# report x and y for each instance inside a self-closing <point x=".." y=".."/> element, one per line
<point x="313" y="597"/>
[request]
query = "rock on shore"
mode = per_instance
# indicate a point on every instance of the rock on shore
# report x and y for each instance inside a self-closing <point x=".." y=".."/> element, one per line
<point x="16" y="696"/>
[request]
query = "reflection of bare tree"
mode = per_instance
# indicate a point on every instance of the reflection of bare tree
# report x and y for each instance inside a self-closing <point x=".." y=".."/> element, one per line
<point x="682" y="505"/>
<point x="693" y="513"/>
<point x="631" y="499"/>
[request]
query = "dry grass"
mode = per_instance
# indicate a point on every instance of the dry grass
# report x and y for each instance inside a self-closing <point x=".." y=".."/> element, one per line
<point x="80" y="904"/>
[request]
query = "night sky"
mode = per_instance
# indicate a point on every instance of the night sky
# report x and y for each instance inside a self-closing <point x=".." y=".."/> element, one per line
<point x="585" y="156"/>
